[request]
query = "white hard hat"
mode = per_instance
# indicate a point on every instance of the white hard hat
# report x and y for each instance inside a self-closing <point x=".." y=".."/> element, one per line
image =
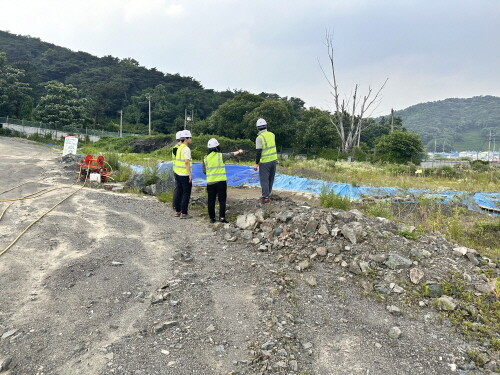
<point x="261" y="122"/>
<point x="212" y="143"/>
<point x="185" y="134"/>
<point x="178" y="135"/>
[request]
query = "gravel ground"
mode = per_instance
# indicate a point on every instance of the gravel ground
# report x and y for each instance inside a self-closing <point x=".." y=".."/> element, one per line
<point x="112" y="283"/>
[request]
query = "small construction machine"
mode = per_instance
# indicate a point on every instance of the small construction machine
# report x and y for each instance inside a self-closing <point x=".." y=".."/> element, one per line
<point x="93" y="169"/>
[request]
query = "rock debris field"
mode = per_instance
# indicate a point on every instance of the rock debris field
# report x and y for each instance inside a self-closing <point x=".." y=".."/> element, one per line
<point x="111" y="283"/>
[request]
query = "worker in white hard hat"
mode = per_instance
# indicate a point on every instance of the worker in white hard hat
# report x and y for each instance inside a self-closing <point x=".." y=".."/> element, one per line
<point x="183" y="175"/>
<point x="215" y="169"/>
<point x="174" y="152"/>
<point x="265" y="159"/>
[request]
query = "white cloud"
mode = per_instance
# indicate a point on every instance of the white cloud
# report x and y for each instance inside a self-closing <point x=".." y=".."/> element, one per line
<point x="175" y="10"/>
<point x="444" y="49"/>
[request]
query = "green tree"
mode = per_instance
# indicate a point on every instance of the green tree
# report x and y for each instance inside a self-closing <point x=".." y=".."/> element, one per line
<point x="227" y="120"/>
<point x="400" y="147"/>
<point x="375" y="130"/>
<point x="15" y="97"/>
<point x="61" y="105"/>
<point x="315" y="131"/>
<point x="279" y="117"/>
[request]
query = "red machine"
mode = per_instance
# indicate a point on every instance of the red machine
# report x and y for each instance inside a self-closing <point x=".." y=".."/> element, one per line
<point x="93" y="169"/>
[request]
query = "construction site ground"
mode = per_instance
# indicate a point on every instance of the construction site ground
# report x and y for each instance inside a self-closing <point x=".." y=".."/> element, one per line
<point x="113" y="283"/>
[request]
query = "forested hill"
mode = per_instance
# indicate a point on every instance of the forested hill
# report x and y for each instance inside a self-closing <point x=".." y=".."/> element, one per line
<point x="458" y="124"/>
<point x="111" y="84"/>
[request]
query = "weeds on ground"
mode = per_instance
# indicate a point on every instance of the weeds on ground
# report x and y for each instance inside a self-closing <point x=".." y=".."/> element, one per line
<point x="411" y="235"/>
<point x="465" y="178"/>
<point x="456" y="223"/>
<point x="329" y="199"/>
<point x="150" y="175"/>
<point x="379" y="209"/>
<point x="123" y="174"/>
<point x="113" y="160"/>
<point x="132" y="190"/>
<point x="166" y="196"/>
<point x="476" y="357"/>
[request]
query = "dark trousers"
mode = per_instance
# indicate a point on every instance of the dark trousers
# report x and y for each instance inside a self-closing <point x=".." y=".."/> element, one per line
<point x="266" y="177"/>
<point x="182" y="194"/>
<point x="219" y="189"/>
<point x="175" y="192"/>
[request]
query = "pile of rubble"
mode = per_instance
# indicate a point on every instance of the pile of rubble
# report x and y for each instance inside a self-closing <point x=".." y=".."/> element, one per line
<point x="404" y="273"/>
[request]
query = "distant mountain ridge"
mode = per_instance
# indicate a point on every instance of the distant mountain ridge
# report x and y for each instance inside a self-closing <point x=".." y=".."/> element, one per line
<point x="455" y="124"/>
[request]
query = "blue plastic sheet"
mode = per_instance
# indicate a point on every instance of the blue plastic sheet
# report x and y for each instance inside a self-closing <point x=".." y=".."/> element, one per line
<point x="239" y="175"/>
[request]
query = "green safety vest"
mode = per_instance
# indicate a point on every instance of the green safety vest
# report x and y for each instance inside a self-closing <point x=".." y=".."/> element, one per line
<point x="176" y="147"/>
<point x="216" y="170"/>
<point x="268" y="147"/>
<point x="179" y="162"/>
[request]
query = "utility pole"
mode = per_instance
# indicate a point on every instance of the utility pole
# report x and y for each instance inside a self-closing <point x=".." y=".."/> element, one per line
<point x="149" y="105"/>
<point x="121" y="122"/>
<point x="489" y="146"/>
<point x="392" y="120"/>
<point x="188" y="118"/>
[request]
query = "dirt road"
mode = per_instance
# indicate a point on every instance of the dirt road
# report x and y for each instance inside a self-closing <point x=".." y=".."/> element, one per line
<point x="111" y="283"/>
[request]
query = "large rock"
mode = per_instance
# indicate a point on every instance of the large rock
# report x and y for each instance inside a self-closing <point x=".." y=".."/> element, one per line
<point x="397" y="262"/>
<point x="247" y="221"/>
<point x="353" y="231"/>
<point x="445" y="303"/>
<point x="311" y="226"/>
<point x="486" y="287"/>
<point x="136" y="181"/>
<point x="416" y="275"/>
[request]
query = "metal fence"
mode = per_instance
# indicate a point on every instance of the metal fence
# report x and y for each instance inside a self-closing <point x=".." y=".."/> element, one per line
<point x="32" y="127"/>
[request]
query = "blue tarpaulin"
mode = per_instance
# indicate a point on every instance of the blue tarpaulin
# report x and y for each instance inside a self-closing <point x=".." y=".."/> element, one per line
<point x="239" y="175"/>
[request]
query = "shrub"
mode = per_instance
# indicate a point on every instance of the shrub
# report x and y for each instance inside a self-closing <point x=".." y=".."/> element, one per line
<point x="329" y="199"/>
<point x="479" y="165"/>
<point x="380" y="209"/>
<point x="113" y="160"/>
<point x="124" y="173"/>
<point x="150" y="176"/>
<point x="447" y="171"/>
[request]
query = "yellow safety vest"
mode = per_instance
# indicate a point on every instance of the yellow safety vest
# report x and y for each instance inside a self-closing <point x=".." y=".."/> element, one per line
<point x="179" y="162"/>
<point x="216" y="170"/>
<point x="268" y="147"/>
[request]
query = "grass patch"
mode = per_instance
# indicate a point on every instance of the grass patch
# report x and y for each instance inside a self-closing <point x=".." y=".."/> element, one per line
<point x="329" y="199"/>
<point x="166" y="196"/>
<point x="464" y="178"/>
<point x="408" y="234"/>
<point x="379" y="209"/>
<point x="123" y="174"/>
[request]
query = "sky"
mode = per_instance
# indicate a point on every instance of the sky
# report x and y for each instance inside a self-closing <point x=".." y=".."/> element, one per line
<point x="428" y="50"/>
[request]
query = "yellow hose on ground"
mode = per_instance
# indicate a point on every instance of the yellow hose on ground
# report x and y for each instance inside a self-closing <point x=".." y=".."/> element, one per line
<point x="41" y="216"/>
<point x="10" y="204"/>
<point x="36" y="194"/>
<point x="33" y="223"/>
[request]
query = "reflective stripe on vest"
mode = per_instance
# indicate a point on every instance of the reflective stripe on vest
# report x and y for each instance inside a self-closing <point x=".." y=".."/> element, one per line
<point x="179" y="163"/>
<point x="216" y="170"/>
<point x="268" y="147"/>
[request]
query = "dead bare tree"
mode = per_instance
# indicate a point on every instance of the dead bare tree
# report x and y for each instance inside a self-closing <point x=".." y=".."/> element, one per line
<point x="349" y="121"/>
